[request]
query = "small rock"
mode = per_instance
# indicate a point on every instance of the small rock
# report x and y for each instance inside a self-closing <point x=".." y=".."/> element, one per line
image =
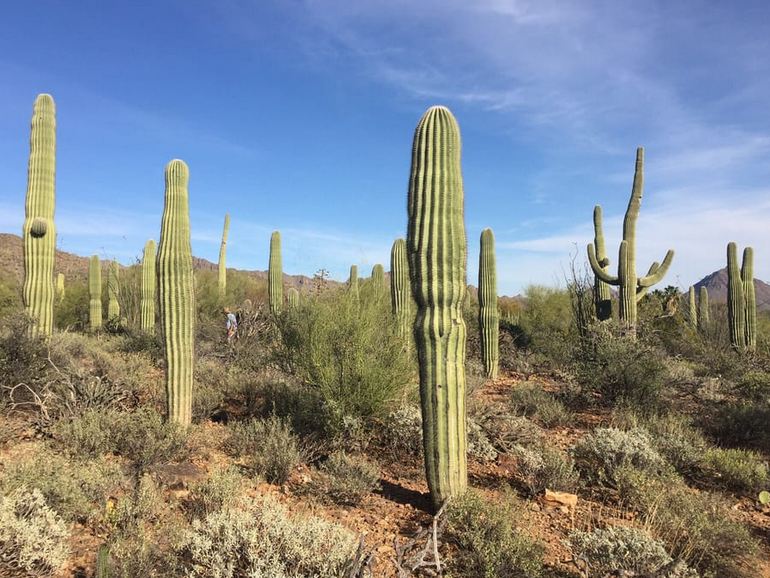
<point x="535" y="507"/>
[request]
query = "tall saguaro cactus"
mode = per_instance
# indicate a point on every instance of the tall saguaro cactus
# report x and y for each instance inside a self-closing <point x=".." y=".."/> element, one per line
<point x="177" y="294"/>
<point x="736" y="301"/>
<point x="704" y="317"/>
<point x="60" y="291"/>
<point x="602" y="293"/>
<point x="400" y="292"/>
<point x="95" y="293"/>
<point x="39" y="232"/>
<point x="292" y="298"/>
<point x="631" y="287"/>
<point x="378" y="279"/>
<point x="437" y="251"/>
<point x="749" y="298"/>
<point x="275" y="274"/>
<point x="148" y="288"/>
<point x="489" y="320"/>
<point x="353" y="282"/>
<point x="223" y="258"/>
<point x="113" y="292"/>
<point x="692" y="309"/>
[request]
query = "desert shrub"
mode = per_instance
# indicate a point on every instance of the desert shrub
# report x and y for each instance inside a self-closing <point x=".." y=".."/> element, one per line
<point x="754" y="385"/>
<point x="33" y="537"/>
<point x="76" y="490"/>
<point x="489" y="545"/>
<point x="694" y="526"/>
<point x="607" y="550"/>
<point x="207" y="399"/>
<point x="300" y="405"/>
<point x="742" y="423"/>
<point x="263" y="539"/>
<point x="146" y="439"/>
<point x="346" y="479"/>
<point x="529" y="399"/>
<point x="545" y="467"/>
<point x="137" y="507"/>
<point x="479" y="445"/>
<point x="71" y="313"/>
<point x="350" y="351"/>
<point x="546" y="324"/>
<point x="219" y="491"/>
<point x="269" y="446"/>
<point x="601" y="453"/>
<point x="10" y="297"/>
<point x="736" y="469"/>
<point x="135" y="554"/>
<point x="88" y="435"/>
<point x="401" y="430"/>
<point x="678" y="441"/>
<point x="506" y="431"/>
<point x="23" y="359"/>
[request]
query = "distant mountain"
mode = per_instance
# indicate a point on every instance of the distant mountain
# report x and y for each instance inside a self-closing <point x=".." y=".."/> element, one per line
<point x="716" y="283"/>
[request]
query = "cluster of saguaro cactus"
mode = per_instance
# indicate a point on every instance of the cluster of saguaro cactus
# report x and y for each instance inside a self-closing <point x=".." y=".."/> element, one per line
<point x="113" y="292"/>
<point x="60" y="291"/>
<point x="692" y="309"/>
<point x="39" y="232"/>
<point x="353" y="282"/>
<point x="222" y="280"/>
<point x="602" y="293"/>
<point x="275" y="274"/>
<point x="489" y="320"/>
<point x="292" y="298"/>
<point x="704" y="317"/>
<point x="437" y="251"/>
<point x="378" y="279"/>
<point x="400" y="292"/>
<point x="148" y="288"/>
<point x="177" y="295"/>
<point x="631" y="288"/>
<point x="741" y="299"/>
<point x="95" y="293"/>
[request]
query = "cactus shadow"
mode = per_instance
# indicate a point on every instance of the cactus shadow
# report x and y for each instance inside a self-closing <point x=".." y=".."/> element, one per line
<point x="405" y="496"/>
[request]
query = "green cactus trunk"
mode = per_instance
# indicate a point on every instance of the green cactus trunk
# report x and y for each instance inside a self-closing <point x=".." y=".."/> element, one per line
<point x="95" y="293"/>
<point x="692" y="309"/>
<point x="631" y="288"/>
<point x="437" y="252"/>
<point x="222" y="286"/>
<point x="489" y="320"/>
<point x="39" y="232"/>
<point x="60" y="291"/>
<point x="749" y="298"/>
<point x="704" y="317"/>
<point x="177" y="294"/>
<point x="103" y="562"/>
<point x="736" y="301"/>
<point x="113" y="292"/>
<point x="353" y="282"/>
<point x="148" y="288"/>
<point x="378" y="279"/>
<point x="400" y="292"/>
<point x="292" y="298"/>
<point x="275" y="274"/>
<point x="602" y="293"/>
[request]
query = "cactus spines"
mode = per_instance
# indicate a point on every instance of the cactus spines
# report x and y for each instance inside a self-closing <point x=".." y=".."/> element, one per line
<point x="437" y="252"/>
<point x="60" y="291"/>
<point x="353" y="282"/>
<point x="400" y="292"/>
<point x="292" y="298"/>
<point x="631" y="288"/>
<point x="736" y="303"/>
<point x="222" y="286"/>
<point x="176" y="292"/>
<point x="95" y="293"/>
<point x="602" y="294"/>
<point x="113" y="291"/>
<point x="489" y="321"/>
<point x="39" y="231"/>
<point x="275" y="274"/>
<point x="148" y="288"/>
<point x="692" y="309"/>
<point x="704" y="317"/>
<point x="378" y="279"/>
<point x="749" y="298"/>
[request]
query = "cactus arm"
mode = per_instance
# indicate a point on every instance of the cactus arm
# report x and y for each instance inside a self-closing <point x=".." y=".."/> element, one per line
<point x="400" y="292"/>
<point x="602" y="293"/>
<point x="655" y="276"/>
<point x="642" y="291"/>
<point x="598" y="270"/>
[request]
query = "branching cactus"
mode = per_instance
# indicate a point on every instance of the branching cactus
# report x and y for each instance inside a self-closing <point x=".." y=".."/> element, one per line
<point x="60" y="291"/>
<point x="292" y="298"/>
<point x="736" y="301"/>
<point x="631" y="287"/>
<point x="113" y="292"/>
<point x="400" y="292"/>
<point x="95" y="293"/>
<point x="353" y="282"/>
<point x="749" y="298"/>
<point x="704" y="317"/>
<point x="437" y="252"/>
<point x="39" y="231"/>
<point x="692" y="317"/>
<point x="378" y="279"/>
<point x="177" y="294"/>
<point x="602" y="293"/>
<point x="489" y="320"/>
<point x="275" y="274"/>
<point x="223" y="259"/>
<point x="148" y="288"/>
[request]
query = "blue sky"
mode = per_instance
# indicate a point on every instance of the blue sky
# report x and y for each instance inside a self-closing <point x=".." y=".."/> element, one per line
<point x="299" y="115"/>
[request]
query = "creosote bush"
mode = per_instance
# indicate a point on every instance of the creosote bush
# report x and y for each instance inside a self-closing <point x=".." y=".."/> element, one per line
<point x="736" y="469"/>
<point x="545" y="467"/>
<point x="219" y="491"/>
<point x="401" y="431"/>
<point x="346" y="479"/>
<point x="268" y="445"/>
<point x="530" y="400"/>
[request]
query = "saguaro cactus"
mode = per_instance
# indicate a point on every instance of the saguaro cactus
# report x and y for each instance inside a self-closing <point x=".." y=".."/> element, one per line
<point x="489" y="320"/>
<point x="749" y="298"/>
<point x="736" y="301"/>
<point x="223" y="258"/>
<point x="400" y="292"/>
<point x="292" y="298"/>
<point x="437" y="252"/>
<point x="692" y="309"/>
<point x="113" y="292"/>
<point x="704" y="317"/>
<point x="95" y="293"/>
<point x="60" y="291"/>
<point x="378" y="279"/>
<point x="39" y="232"/>
<point x="177" y="295"/>
<point x="631" y="287"/>
<point x="275" y="274"/>
<point x="148" y="288"/>
<point x="602" y="293"/>
<point x="353" y="282"/>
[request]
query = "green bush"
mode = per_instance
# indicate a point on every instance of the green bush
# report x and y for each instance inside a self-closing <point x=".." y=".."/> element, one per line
<point x="10" y="298"/>
<point x="530" y="400"/>
<point x="489" y="545"/>
<point x="33" y="537"/>
<point x="146" y="439"/>
<point x="741" y="423"/>
<point x="679" y="442"/>
<point x="546" y="324"/>
<point x="72" y="312"/>
<point x="269" y="445"/>
<point x="137" y="508"/>
<point x="736" y="469"/>
<point x="219" y="491"/>
<point x="298" y="404"/>
<point x="479" y="446"/>
<point x="506" y="431"/>
<point x="346" y="479"/>
<point x="89" y="435"/>
<point x="401" y="431"/>
<point x="545" y="467"/>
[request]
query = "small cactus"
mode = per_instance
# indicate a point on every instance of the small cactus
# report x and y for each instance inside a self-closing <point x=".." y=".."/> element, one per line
<point x="103" y="562"/>
<point x="292" y="298"/>
<point x="692" y="309"/>
<point x="177" y="294"/>
<point x="60" y="291"/>
<point x="749" y="298"/>
<point x="400" y="292"/>
<point x="602" y="293"/>
<point x="113" y="292"/>
<point x="95" y="293"/>
<point x="736" y="301"/>
<point x="378" y="279"/>
<point x="489" y="320"/>
<point x="704" y="317"/>
<point x="353" y="282"/>
<point x="148" y="288"/>
<point x="275" y="274"/>
<point x="222" y="279"/>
